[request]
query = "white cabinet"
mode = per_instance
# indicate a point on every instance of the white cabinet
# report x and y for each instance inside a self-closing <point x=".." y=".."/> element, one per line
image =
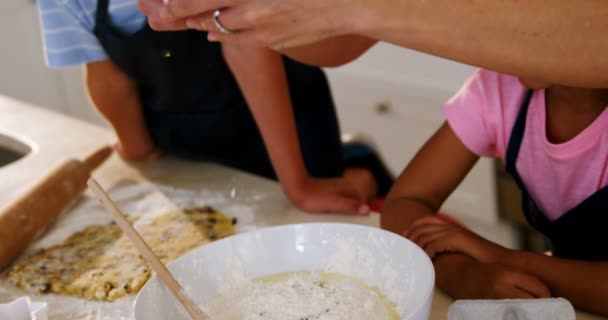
<point x="395" y="97"/>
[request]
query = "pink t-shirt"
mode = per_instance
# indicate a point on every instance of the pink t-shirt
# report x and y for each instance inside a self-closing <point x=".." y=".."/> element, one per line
<point x="557" y="176"/>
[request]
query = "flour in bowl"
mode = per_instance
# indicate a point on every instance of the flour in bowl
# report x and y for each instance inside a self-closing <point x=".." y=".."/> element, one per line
<point x="303" y="296"/>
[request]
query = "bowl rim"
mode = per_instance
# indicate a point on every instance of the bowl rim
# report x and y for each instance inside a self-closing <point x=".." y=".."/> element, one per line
<point x="428" y="262"/>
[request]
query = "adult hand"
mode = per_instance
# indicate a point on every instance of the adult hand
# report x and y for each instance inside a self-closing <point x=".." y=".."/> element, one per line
<point x="269" y="23"/>
<point x="159" y="19"/>
<point x="493" y="281"/>
<point x="436" y="235"/>
<point x="327" y="195"/>
<point x="554" y="47"/>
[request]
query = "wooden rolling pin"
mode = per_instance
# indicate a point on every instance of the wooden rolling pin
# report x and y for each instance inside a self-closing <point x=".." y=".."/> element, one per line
<point x="24" y="219"/>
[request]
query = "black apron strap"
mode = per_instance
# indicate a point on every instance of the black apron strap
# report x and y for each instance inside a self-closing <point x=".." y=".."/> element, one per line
<point x="517" y="136"/>
<point x="102" y="10"/>
<point x="577" y="234"/>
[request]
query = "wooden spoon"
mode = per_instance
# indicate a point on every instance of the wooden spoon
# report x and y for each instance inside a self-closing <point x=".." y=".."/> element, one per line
<point x="195" y="312"/>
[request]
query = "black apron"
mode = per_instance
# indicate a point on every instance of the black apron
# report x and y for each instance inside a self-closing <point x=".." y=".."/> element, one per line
<point x="581" y="233"/>
<point x="194" y="108"/>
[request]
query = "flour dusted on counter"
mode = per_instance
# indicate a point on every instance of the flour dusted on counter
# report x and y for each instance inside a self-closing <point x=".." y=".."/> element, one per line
<point x="100" y="263"/>
<point x="303" y="296"/>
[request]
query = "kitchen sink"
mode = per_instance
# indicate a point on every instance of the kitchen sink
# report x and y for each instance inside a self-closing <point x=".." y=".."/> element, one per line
<point x="12" y="148"/>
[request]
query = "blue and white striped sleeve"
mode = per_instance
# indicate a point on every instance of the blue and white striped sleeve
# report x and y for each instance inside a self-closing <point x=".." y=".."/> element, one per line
<point x="67" y="30"/>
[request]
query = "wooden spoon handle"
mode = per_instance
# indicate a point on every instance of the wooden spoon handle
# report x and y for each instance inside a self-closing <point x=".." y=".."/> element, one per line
<point x="195" y="312"/>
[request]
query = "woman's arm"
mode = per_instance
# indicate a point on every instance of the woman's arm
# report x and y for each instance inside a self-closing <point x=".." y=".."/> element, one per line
<point x="116" y="97"/>
<point x="261" y="77"/>
<point x="560" y="42"/>
<point x="331" y="52"/>
<point x="549" y="41"/>
<point x="420" y="191"/>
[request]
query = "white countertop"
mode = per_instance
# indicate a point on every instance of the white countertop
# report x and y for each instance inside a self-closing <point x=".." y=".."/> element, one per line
<point x="52" y="136"/>
<point x="57" y="137"/>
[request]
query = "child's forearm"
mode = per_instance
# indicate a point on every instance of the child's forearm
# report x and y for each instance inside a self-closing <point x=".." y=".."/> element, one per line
<point x="332" y="52"/>
<point x="261" y="77"/>
<point x="427" y="180"/>
<point x="451" y="276"/>
<point x="116" y="97"/>
<point x="452" y="270"/>
<point x="399" y="213"/>
<point x="420" y="191"/>
<point x="584" y="283"/>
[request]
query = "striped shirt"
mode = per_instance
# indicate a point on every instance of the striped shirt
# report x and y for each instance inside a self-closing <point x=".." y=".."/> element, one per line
<point x="67" y="29"/>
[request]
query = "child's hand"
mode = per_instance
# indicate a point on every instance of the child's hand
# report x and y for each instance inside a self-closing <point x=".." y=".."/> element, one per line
<point x="327" y="195"/>
<point x="137" y="153"/>
<point x="494" y="281"/>
<point x="436" y="235"/>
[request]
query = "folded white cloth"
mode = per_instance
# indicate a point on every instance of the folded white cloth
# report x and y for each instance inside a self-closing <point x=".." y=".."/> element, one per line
<point x="23" y="309"/>
<point x="512" y="309"/>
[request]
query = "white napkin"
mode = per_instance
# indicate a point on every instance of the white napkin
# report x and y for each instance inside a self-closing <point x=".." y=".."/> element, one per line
<point x="23" y="309"/>
<point x="512" y="309"/>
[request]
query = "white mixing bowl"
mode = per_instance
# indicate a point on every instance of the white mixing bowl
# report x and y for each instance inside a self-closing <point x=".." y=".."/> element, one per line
<point x="391" y="263"/>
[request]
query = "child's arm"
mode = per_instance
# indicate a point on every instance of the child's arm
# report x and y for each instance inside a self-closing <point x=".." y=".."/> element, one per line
<point x="581" y="282"/>
<point x="261" y="76"/>
<point x="115" y="95"/>
<point x="432" y="175"/>
<point x="420" y="191"/>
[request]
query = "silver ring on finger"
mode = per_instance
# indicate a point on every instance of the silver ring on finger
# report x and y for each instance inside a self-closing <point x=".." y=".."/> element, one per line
<point x="218" y="24"/>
